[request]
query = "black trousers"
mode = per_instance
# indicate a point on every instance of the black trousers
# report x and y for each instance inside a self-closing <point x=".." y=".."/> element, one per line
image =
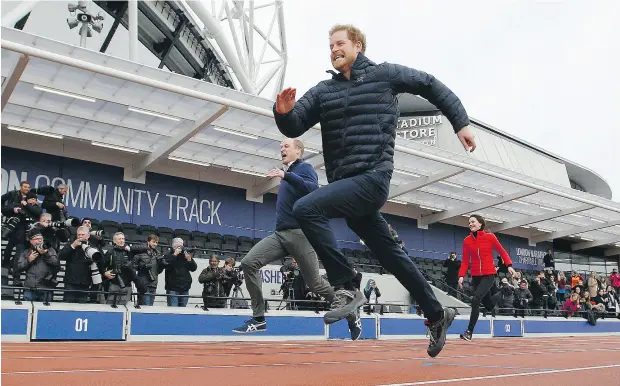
<point x="358" y="199"/>
<point x="483" y="286"/>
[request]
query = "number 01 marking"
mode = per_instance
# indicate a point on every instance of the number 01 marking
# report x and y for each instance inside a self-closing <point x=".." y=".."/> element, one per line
<point x="507" y="328"/>
<point x="81" y="325"/>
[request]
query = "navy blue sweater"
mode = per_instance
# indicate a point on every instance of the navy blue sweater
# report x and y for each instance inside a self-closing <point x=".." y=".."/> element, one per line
<point x="299" y="180"/>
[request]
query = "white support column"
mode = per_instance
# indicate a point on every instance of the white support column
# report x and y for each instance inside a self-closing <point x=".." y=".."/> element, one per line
<point x="18" y="12"/>
<point x="424" y="181"/>
<point x="213" y="28"/>
<point x="471" y="208"/>
<point x="11" y="81"/>
<point x="133" y="29"/>
<point x="280" y="83"/>
<point x="596" y="243"/>
<point x="175" y="142"/>
<point x="534" y="219"/>
<point x="545" y="236"/>
<point x="257" y="191"/>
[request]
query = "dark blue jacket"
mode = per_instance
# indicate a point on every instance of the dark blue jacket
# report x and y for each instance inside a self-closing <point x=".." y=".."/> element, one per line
<point x="358" y="116"/>
<point x="299" y="180"/>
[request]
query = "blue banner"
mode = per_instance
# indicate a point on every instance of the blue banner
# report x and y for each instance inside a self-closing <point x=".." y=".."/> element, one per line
<point x="98" y="191"/>
<point x="78" y="325"/>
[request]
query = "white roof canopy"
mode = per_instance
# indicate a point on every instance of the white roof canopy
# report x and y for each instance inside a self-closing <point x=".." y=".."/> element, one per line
<point x="57" y="89"/>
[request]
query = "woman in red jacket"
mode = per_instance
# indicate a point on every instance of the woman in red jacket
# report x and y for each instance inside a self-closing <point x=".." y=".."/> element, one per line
<point x="478" y="249"/>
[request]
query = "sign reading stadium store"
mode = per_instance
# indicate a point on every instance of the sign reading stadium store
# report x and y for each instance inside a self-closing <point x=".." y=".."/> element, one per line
<point x="419" y="129"/>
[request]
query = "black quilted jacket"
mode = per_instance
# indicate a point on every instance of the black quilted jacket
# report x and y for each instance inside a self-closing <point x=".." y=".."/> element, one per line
<point x="358" y="116"/>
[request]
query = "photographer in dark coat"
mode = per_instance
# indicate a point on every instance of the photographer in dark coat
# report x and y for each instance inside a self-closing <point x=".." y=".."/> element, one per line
<point x="216" y="282"/>
<point x="51" y="234"/>
<point x="147" y="264"/>
<point x="10" y="201"/>
<point x="507" y="298"/>
<point x="21" y="216"/>
<point x="40" y="264"/>
<point x="53" y="201"/>
<point x="118" y="269"/>
<point x="79" y="264"/>
<point x="178" y="263"/>
<point x="452" y="274"/>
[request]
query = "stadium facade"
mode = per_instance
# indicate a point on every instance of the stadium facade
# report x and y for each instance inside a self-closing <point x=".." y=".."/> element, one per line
<point x="198" y="162"/>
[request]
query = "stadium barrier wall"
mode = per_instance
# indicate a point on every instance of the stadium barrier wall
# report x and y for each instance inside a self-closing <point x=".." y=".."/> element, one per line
<point x="34" y="321"/>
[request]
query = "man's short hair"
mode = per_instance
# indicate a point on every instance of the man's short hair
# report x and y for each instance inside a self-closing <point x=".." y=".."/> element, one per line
<point x="117" y="234"/>
<point x="231" y="261"/>
<point x="83" y="229"/>
<point x="24" y="183"/>
<point x="353" y="33"/>
<point x="153" y="237"/>
<point x="45" y="215"/>
<point x="300" y="145"/>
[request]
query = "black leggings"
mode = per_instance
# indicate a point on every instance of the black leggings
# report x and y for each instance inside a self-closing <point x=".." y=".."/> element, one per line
<point x="482" y="294"/>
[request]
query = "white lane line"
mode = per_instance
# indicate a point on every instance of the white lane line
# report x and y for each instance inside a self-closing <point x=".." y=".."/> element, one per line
<point x="452" y="380"/>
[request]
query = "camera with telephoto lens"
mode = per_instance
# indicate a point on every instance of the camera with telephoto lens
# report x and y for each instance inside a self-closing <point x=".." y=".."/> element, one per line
<point x="97" y="234"/>
<point x="72" y="222"/>
<point x="118" y="272"/>
<point x="9" y="227"/>
<point x="238" y="275"/>
<point x="142" y="267"/>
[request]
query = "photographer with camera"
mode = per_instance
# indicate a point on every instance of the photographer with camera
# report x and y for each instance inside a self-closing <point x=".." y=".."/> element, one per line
<point x="10" y="201"/>
<point x="506" y="299"/>
<point x="81" y="268"/>
<point x="41" y="264"/>
<point x="54" y="233"/>
<point x="118" y="270"/>
<point x="53" y="201"/>
<point x="96" y="237"/>
<point x="20" y="217"/>
<point x="217" y="282"/>
<point x="147" y="264"/>
<point x="452" y="274"/>
<point x="523" y="297"/>
<point x="178" y="264"/>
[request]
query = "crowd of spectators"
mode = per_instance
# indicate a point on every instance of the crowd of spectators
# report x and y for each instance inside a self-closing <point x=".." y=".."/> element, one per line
<point x="550" y="292"/>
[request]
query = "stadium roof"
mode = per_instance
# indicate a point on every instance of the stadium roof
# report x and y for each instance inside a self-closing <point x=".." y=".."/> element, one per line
<point x="61" y="90"/>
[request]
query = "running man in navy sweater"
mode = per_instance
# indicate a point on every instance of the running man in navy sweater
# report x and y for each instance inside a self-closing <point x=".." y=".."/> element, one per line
<point x="298" y="179"/>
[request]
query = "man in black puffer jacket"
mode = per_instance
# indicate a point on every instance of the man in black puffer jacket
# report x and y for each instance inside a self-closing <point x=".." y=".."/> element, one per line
<point x="358" y="112"/>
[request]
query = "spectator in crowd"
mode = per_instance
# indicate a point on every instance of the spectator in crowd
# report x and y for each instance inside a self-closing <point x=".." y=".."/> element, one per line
<point x="612" y="292"/>
<point x="561" y="286"/>
<point x="77" y="268"/>
<point x="506" y="299"/>
<point x="96" y="240"/>
<point x="599" y="302"/>
<point x="590" y="304"/>
<point x="372" y="293"/>
<point x="603" y="281"/>
<point x="213" y="278"/>
<point x="611" y="304"/>
<point x="549" y="261"/>
<point x="147" y="265"/>
<point x="40" y="265"/>
<point x="578" y="291"/>
<point x="53" y="201"/>
<point x="118" y="270"/>
<point x="574" y="280"/>
<point x="538" y="289"/>
<point x="614" y="280"/>
<point x="229" y="266"/>
<point x="571" y="306"/>
<point x="22" y="214"/>
<point x="178" y="264"/>
<point x="516" y="279"/>
<point x="579" y="286"/>
<point x="452" y="274"/>
<point x="593" y="283"/>
<point x="523" y="297"/>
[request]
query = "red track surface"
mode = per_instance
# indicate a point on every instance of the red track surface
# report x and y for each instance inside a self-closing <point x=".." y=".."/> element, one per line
<point x="581" y="360"/>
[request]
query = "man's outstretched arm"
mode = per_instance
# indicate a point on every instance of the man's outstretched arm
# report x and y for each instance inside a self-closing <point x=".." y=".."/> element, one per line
<point x="294" y="119"/>
<point x="409" y="80"/>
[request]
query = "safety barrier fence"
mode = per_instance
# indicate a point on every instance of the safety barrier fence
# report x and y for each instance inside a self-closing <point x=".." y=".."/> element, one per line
<point x="38" y="321"/>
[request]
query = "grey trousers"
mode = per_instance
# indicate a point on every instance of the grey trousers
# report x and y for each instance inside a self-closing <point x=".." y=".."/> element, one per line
<point x="122" y="296"/>
<point x="277" y="246"/>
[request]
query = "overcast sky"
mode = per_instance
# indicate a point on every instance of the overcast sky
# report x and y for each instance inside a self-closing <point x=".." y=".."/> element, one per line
<point x="545" y="73"/>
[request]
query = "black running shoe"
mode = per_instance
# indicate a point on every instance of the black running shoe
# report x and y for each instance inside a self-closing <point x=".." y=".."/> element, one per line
<point x="437" y="332"/>
<point x="355" y="326"/>
<point x="466" y="336"/>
